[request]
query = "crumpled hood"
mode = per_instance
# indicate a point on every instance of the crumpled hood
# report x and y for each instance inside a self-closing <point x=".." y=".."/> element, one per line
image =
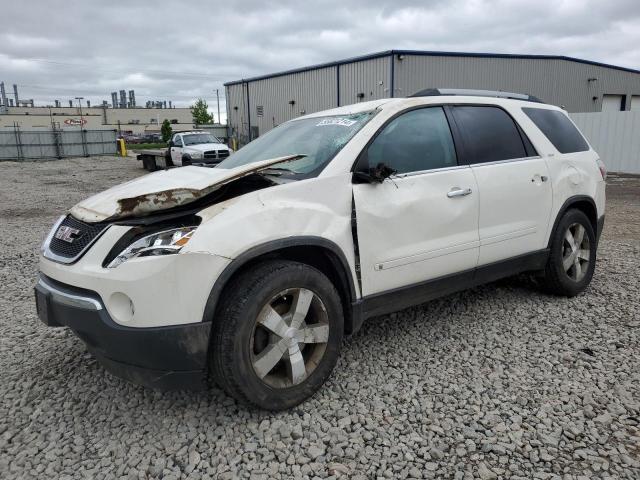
<point x="205" y="147"/>
<point x="163" y="190"/>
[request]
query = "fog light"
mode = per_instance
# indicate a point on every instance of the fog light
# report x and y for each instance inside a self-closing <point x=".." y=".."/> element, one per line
<point x="121" y="307"/>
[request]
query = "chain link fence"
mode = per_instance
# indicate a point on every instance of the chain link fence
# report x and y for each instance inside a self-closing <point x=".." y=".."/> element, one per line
<point x="18" y="145"/>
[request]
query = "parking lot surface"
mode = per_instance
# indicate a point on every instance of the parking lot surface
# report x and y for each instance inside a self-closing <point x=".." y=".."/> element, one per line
<point x="498" y="382"/>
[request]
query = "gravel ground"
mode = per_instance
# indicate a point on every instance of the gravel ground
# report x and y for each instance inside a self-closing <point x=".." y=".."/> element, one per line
<point x="498" y="382"/>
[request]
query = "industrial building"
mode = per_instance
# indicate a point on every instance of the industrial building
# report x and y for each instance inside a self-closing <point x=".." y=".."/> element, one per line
<point x="255" y="105"/>
<point x="122" y="114"/>
<point x="138" y="120"/>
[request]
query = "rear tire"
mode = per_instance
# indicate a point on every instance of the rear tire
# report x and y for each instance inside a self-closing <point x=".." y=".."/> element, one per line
<point x="277" y="335"/>
<point x="572" y="256"/>
<point x="149" y="163"/>
<point x="167" y="159"/>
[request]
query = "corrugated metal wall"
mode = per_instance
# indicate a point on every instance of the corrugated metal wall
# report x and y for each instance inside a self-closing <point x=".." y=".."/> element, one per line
<point x="45" y="144"/>
<point x="309" y="91"/>
<point x="615" y="136"/>
<point x="371" y="78"/>
<point x="576" y="86"/>
<point x="237" y="110"/>
<point x="559" y="82"/>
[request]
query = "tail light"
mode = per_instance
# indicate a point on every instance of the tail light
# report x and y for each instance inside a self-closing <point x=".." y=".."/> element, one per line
<point x="603" y="169"/>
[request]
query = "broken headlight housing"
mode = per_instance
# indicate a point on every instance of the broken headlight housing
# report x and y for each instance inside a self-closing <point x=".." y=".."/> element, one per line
<point x="166" y="242"/>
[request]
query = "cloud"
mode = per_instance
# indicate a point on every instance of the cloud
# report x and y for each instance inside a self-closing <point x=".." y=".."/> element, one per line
<point x="183" y="50"/>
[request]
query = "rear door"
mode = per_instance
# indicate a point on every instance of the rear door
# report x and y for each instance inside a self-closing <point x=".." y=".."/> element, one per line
<point x="421" y="223"/>
<point x="515" y="193"/>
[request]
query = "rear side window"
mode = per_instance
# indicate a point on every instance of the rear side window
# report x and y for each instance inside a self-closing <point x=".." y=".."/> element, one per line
<point x="490" y="134"/>
<point x="558" y="129"/>
<point x="415" y="141"/>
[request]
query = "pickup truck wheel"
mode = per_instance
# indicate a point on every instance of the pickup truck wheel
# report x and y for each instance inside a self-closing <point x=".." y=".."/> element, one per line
<point x="278" y="335"/>
<point x="572" y="256"/>
<point x="186" y="160"/>
<point x="149" y="163"/>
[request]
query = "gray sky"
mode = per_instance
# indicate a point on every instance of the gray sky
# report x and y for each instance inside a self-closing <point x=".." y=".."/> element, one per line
<point x="179" y="51"/>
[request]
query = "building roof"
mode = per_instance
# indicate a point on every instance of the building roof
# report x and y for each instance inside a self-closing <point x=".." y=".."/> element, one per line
<point x="427" y="53"/>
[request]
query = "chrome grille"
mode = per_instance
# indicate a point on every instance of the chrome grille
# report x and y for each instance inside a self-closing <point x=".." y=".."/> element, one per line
<point x="69" y="251"/>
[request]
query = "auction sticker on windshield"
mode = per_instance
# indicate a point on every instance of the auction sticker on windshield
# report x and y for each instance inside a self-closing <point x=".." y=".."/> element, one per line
<point x="345" y="122"/>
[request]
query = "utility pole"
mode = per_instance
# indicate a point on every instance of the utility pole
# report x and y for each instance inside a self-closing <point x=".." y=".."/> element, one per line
<point x="218" y="100"/>
<point x="80" y="107"/>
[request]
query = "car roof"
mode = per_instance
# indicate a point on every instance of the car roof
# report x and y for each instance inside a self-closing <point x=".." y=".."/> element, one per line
<point x="397" y="103"/>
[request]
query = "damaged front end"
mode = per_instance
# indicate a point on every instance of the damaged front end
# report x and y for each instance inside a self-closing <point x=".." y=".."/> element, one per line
<point x="171" y="190"/>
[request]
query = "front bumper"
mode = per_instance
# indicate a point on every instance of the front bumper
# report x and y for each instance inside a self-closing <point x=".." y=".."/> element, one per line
<point x="167" y="358"/>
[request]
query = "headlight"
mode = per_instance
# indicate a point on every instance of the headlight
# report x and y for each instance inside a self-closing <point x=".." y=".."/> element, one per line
<point x="195" y="154"/>
<point x="166" y="242"/>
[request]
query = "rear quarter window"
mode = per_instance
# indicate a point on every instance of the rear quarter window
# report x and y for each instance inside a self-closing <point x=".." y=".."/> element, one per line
<point x="557" y="127"/>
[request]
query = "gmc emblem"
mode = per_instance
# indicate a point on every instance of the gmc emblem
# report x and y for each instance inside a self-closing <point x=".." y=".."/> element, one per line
<point x="67" y="234"/>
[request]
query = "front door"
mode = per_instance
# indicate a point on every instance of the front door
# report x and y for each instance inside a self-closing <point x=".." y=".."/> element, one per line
<point x="421" y="223"/>
<point x="176" y="150"/>
<point x="513" y="181"/>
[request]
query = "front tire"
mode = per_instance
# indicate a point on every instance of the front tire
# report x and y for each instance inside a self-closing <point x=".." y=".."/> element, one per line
<point x="277" y="335"/>
<point x="572" y="256"/>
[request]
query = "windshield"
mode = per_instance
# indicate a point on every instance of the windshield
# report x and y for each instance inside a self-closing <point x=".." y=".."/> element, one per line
<point x="318" y="138"/>
<point x="197" y="138"/>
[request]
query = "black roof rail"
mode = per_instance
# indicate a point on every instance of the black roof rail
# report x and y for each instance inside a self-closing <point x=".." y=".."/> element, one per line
<point x="430" y="92"/>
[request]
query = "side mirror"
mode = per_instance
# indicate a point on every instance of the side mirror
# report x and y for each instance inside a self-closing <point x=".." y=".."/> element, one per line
<point x="377" y="174"/>
<point x="171" y="144"/>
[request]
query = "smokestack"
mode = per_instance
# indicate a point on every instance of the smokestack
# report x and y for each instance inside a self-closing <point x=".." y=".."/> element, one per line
<point x="3" y="95"/>
<point x="15" y="93"/>
<point x="71" y="103"/>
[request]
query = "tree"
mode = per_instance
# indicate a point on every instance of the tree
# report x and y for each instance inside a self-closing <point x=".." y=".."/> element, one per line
<point x="166" y="130"/>
<point x="200" y="113"/>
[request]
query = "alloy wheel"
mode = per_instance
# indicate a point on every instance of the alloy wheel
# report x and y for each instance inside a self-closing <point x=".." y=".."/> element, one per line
<point x="289" y="338"/>
<point x="576" y="252"/>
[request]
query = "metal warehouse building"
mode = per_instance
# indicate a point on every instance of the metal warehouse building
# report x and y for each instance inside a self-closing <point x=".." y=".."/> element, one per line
<point x="255" y="105"/>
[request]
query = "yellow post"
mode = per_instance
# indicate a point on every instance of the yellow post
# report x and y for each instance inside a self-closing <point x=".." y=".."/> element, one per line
<point x="122" y="148"/>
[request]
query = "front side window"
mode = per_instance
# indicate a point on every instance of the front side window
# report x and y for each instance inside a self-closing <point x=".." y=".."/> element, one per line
<point x="318" y="138"/>
<point x="177" y="141"/>
<point x="490" y="134"/>
<point x="415" y="141"/>
<point x="557" y="127"/>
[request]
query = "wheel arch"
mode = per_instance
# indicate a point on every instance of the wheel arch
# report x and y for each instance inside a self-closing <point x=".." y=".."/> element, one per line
<point x="317" y="252"/>
<point x="585" y="204"/>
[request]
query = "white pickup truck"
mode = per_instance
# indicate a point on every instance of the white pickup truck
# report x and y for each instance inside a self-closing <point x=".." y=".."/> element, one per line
<point x="187" y="148"/>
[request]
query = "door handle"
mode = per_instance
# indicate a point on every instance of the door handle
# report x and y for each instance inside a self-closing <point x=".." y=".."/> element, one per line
<point x="459" y="192"/>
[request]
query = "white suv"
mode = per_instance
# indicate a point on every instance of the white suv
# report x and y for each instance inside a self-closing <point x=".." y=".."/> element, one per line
<point x="253" y="271"/>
